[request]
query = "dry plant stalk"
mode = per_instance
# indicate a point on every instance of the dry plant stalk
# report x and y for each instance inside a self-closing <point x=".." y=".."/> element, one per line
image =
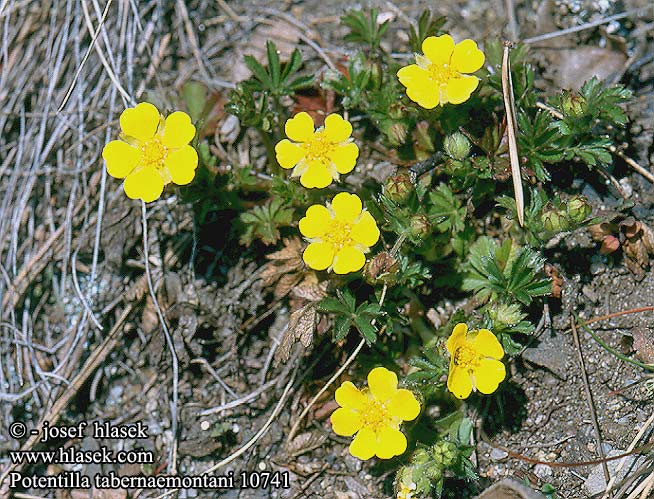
<point x="509" y="106"/>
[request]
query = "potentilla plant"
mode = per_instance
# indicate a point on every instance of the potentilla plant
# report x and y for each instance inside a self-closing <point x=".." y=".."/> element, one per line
<point x="372" y="259"/>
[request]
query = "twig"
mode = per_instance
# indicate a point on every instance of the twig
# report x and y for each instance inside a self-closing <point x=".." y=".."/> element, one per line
<point x="643" y="171"/>
<point x="172" y="457"/>
<point x="589" y="399"/>
<point x="631" y="447"/>
<point x="86" y="56"/>
<point x="253" y="440"/>
<point x="243" y="400"/>
<point x="583" y="27"/>
<point x="509" y="107"/>
<point x="336" y="375"/>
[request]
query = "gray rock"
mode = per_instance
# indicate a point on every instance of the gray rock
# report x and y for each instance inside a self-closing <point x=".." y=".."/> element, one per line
<point x="549" y="354"/>
<point x="498" y="454"/>
<point x="510" y="488"/>
<point x="543" y="471"/>
<point x="595" y="483"/>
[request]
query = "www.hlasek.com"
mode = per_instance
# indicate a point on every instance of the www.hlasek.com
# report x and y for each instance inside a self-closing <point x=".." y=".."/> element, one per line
<point x="69" y="454"/>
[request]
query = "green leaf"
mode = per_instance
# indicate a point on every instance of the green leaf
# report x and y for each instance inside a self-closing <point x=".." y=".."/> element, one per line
<point x="195" y="96"/>
<point x="427" y="26"/>
<point x="341" y="328"/>
<point x="273" y="64"/>
<point x="367" y="330"/>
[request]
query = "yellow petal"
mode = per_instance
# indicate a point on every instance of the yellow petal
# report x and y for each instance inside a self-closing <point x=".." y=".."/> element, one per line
<point x="420" y="88"/>
<point x="318" y="256"/>
<point x="488" y="375"/>
<point x="382" y="383"/>
<point x="438" y="49"/>
<point x="457" y="338"/>
<point x="349" y="396"/>
<point x="365" y="231"/>
<point x="459" y="382"/>
<point x="288" y="154"/>
<point x="316" y="221"/>
<point x="487" y="344"/>
<point x="391" y="442"/>
<point x="364" y="444"/>
<point x="145" y="184"/>
<point x="404" y="405"/>
<point x="178" y="130"/>
<point x="344" y="157"/>
<point x="460" y="89"/>
<point x="316" y="176"/>
<point x="140" y="122"/>
<point x="337" y="129"/>
<point x="345" y="422"/>
<point x="467" y="58"/>
<point x="348" y="259"/>
<point x="347" y="206"/>
<point x="121" y="158"/>
<point x="300" y="127"/>
<point x="182" y="164"/>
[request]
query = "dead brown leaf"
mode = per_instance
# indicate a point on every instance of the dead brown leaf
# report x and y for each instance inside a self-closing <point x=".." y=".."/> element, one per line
<point x="557" y="281"/>
<point x="301" y="327"/>
<point x="304" y="442"/>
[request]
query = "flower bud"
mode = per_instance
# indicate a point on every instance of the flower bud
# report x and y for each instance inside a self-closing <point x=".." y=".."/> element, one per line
<point x="381" y="268"/>
<point x="420" y="226"/>
<point x="421" y="456"/>
<point x="555" y="221"/>
<point x="578" y="209"/>
<point x="457" y="146"/>
<point x="398" y="187"/>
<point x="574" y="105"/>
<point x="434" y="472"/>
<point x="395" y="132"/>
<point x="422" y="138"/>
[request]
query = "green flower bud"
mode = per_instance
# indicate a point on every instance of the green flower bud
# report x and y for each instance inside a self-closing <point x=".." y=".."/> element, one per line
<point x="421" y="456"/>
<point x="578" y="209"/>
<point x="457" y="146"/>
<point x="396" y="133"/>
<point x="434" y="472"/>
<point x="555" y="221"/>
<point x="574" y="105"/>
<point x="398" y="187"/>
<point x="420" y="226"/>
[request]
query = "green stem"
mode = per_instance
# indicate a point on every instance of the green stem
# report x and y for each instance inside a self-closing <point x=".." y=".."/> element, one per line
<point x="609" y="349"/>
<point x="270" y="152"/>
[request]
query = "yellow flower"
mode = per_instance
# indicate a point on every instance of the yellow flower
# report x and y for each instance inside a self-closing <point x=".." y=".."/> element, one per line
<point x="438" y="77"/>
<point x="339" y="233"/>
<point x="374" y="414"/>
<point x="317" y="156"/>
<point x="406" y="492"/>
<point x="152" y="151"/>
<point x="474" y="361"/>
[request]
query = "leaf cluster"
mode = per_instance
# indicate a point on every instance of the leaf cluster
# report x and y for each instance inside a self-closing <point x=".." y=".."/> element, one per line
<point x="263" y="222"/>
<point x="347" y="315"/>
<point x="504" y="273"/>
<point x="364" y="28"/>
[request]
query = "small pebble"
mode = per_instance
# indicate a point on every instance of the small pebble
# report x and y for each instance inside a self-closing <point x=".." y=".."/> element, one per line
<point x="498" y="454"/>
<point x="542" y="470"/>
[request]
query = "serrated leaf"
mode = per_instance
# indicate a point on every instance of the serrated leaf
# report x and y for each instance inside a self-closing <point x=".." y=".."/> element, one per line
<point x="367" y="330"/>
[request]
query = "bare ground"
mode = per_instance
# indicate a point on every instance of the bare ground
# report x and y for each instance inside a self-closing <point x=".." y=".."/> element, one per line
<point x="80" y="338"/>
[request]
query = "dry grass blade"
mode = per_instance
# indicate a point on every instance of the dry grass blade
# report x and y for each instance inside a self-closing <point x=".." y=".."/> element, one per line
<point x="509" y="106"/>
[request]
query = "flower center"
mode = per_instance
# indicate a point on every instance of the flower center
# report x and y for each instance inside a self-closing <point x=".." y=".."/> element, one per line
<point x="465" y="356"/>
<point x="338" y="234"/>
<point x="154" y="153"/>
<point x="375" y="415"/>
<point x="318" y="148"/>
<point x="441" y="74"/>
